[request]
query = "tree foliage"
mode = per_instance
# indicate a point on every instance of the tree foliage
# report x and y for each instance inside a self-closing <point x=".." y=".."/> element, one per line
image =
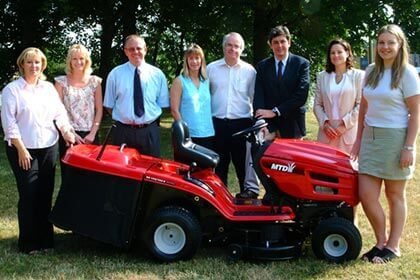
<point x="170" y="25"/>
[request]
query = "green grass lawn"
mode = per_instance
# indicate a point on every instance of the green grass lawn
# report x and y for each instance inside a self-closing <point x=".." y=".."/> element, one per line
<point x="76" y="257"/>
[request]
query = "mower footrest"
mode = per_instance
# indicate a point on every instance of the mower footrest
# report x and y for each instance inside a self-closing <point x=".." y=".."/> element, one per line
<point x="240" y="201"/>
<point x="254" y="213"/>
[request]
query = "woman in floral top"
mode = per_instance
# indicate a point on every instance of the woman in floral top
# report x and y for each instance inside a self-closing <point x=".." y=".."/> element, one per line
<point x="81" y="94"/>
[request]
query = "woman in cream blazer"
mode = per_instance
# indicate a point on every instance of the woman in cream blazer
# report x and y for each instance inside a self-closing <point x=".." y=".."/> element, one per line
<point x="337" y="97"/>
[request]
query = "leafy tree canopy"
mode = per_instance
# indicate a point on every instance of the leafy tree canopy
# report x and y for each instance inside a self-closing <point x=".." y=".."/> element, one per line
<point x="170" y="25"/>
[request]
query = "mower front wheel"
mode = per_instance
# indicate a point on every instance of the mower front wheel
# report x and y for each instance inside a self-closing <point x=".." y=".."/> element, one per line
<point x="172" y="233"/>
<point x="336" y="240"/>
<point x="234" y="252"/>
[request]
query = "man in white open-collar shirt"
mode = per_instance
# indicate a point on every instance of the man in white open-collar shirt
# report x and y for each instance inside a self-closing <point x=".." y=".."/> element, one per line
<point x="232" y="91"/>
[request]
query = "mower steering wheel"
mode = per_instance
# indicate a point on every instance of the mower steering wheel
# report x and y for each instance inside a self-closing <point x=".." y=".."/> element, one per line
<point x="257" y="126"/>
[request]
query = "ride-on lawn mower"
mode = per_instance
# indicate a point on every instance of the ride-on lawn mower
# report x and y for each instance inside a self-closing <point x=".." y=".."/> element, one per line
<point x="117" y="195"/>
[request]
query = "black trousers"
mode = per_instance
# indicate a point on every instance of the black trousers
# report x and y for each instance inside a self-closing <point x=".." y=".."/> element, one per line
<point x="146" y="139"/>
<point x="35" y="187"/>
<point x="231" y="148"/>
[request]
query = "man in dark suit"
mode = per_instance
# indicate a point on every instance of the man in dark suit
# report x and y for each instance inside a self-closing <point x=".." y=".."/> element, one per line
<point x="281" y="90"/>
<point x="281" y="87"/>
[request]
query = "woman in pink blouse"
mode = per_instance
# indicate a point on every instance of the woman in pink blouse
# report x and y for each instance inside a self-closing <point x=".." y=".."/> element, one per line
<point x="30" y="111"/>
<point x="81" y="94"/>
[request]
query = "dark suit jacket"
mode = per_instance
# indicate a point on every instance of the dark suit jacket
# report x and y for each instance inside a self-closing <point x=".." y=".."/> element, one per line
<point x="288" y="95"/>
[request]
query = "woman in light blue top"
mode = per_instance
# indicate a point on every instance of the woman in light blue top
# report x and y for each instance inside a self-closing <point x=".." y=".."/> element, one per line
<point x="190" y="97"/>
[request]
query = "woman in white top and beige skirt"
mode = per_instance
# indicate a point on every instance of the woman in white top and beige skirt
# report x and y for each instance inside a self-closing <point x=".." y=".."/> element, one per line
<point x="389" y="121"/>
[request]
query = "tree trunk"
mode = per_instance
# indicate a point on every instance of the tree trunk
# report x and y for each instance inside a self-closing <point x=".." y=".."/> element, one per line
<point x="129" y="9"/>
<point x="31" y="33"/>
<point x="260" y="30"/>
<point x="265" y="17"/>
<point x="108" y="22"/>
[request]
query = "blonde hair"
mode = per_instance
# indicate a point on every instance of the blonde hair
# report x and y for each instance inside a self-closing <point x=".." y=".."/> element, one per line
<point x="29" y="53"/>
<point x="194" y="49"/>
<point x="399" y="63"/>
<point x="84" y="51"/>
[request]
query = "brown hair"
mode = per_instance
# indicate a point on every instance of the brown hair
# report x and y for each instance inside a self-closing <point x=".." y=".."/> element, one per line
<point x="194" y="49"/>
<point x="330" y="67"/>
<point x="279" y="30"/>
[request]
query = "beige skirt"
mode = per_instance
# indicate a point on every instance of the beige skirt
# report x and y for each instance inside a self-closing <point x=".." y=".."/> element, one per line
<point x="380" y="152"/>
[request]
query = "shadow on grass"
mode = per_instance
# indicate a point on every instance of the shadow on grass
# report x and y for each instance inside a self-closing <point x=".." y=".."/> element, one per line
<point x="75" y="256"/>
<point x="78" y="257"/>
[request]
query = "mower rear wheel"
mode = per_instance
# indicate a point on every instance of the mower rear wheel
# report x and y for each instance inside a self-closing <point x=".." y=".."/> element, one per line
<point x="172" y="233"/>
<point x="336" y="240"/>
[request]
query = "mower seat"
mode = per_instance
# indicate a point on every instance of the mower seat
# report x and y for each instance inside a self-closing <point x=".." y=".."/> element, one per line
<point x="186" y="151"/>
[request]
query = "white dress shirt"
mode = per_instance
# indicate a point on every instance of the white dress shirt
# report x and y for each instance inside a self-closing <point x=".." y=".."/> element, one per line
<point x="29" y="111"/>
<point x="232" y="89"/>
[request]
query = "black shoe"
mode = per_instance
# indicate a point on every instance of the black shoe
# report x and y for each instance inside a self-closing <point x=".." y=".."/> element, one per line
<point x="247" y="194"/>
<point x="269" y="199"/>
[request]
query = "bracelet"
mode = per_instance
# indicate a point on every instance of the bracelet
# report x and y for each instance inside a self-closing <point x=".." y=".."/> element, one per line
<point x="97" y="124"/>
<point x="408" y="148"/>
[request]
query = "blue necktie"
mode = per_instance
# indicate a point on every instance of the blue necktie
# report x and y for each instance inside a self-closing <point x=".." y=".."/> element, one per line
<point x="138" y="95"/>
<point x="280" y="70"/>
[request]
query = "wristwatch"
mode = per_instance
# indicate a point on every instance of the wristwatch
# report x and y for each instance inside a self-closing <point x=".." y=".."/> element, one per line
<point x="276" y="111"/>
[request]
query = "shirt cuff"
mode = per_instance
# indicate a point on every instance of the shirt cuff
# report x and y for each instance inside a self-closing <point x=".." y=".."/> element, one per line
<point x="276" y="111"/>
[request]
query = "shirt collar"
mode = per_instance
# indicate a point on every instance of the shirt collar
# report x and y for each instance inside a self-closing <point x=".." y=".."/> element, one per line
<point x="284" y="60"/>
<point x="142" y="66"/>
<point x="223" y="62"/>
<point x="23" y="84"/>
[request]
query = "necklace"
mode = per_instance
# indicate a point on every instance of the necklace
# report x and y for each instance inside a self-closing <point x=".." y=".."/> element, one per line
<point x="338" y="77"/>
